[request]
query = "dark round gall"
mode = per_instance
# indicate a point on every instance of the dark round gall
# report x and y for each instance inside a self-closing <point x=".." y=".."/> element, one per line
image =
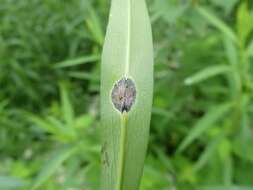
<point x="123" y="94"/>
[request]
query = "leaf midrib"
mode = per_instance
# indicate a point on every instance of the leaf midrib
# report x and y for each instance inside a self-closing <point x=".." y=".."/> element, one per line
<point x="128" y="43"/>
<point x="125" y="114"/>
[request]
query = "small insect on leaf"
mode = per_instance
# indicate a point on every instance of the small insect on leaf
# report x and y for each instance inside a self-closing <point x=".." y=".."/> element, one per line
<point x="123" y="94"/>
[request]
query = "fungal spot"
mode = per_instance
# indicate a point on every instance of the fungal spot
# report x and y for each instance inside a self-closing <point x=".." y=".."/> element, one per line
<point x="123" y="94"/>
<point x="104" y="146"/>
<point x="105" y="158"/>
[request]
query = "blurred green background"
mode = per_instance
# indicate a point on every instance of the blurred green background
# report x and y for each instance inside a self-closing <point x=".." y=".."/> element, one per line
<point x="201" y="128"/>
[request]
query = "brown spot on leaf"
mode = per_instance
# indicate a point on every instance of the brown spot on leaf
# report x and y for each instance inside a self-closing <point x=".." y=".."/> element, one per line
<point x="124" y="94"/>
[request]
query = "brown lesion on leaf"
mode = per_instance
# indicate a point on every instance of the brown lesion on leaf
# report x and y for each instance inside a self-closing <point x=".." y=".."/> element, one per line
<point x="123" y="94"/>
<point x="105" y="157"/>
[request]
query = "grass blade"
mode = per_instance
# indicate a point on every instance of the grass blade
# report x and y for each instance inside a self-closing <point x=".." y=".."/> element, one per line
<point x="206" y="73"/>
<point x="250" y="49"/>
<point x="52" y="165"/>
<point x="244" y="22"/>
<point x="207" y="154"/>
<point x="43" y="124"/>
<point x="231" y="51"/>
<point x="94" y="25"/>
<point x="67" y="108"/>
<point x="219" y="24"/>
<point x="127" y="53"/>
<point x="77" y="61"/>
<point x="84" y="76"/>
<point x="204" y="124"/>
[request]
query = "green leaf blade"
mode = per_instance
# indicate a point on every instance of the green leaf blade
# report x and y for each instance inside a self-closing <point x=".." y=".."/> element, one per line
<point x="206" y="73"/>
<point x="52" y="165"/>
<point x="204" y="124"/>
<point x="128" y="52"/>
<point x="77" y="61"/>
<point x="219" y="24"/>
<point x="68" y="111"/>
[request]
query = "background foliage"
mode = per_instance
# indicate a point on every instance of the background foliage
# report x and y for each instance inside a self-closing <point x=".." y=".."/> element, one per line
<point x="201" y="128"/>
